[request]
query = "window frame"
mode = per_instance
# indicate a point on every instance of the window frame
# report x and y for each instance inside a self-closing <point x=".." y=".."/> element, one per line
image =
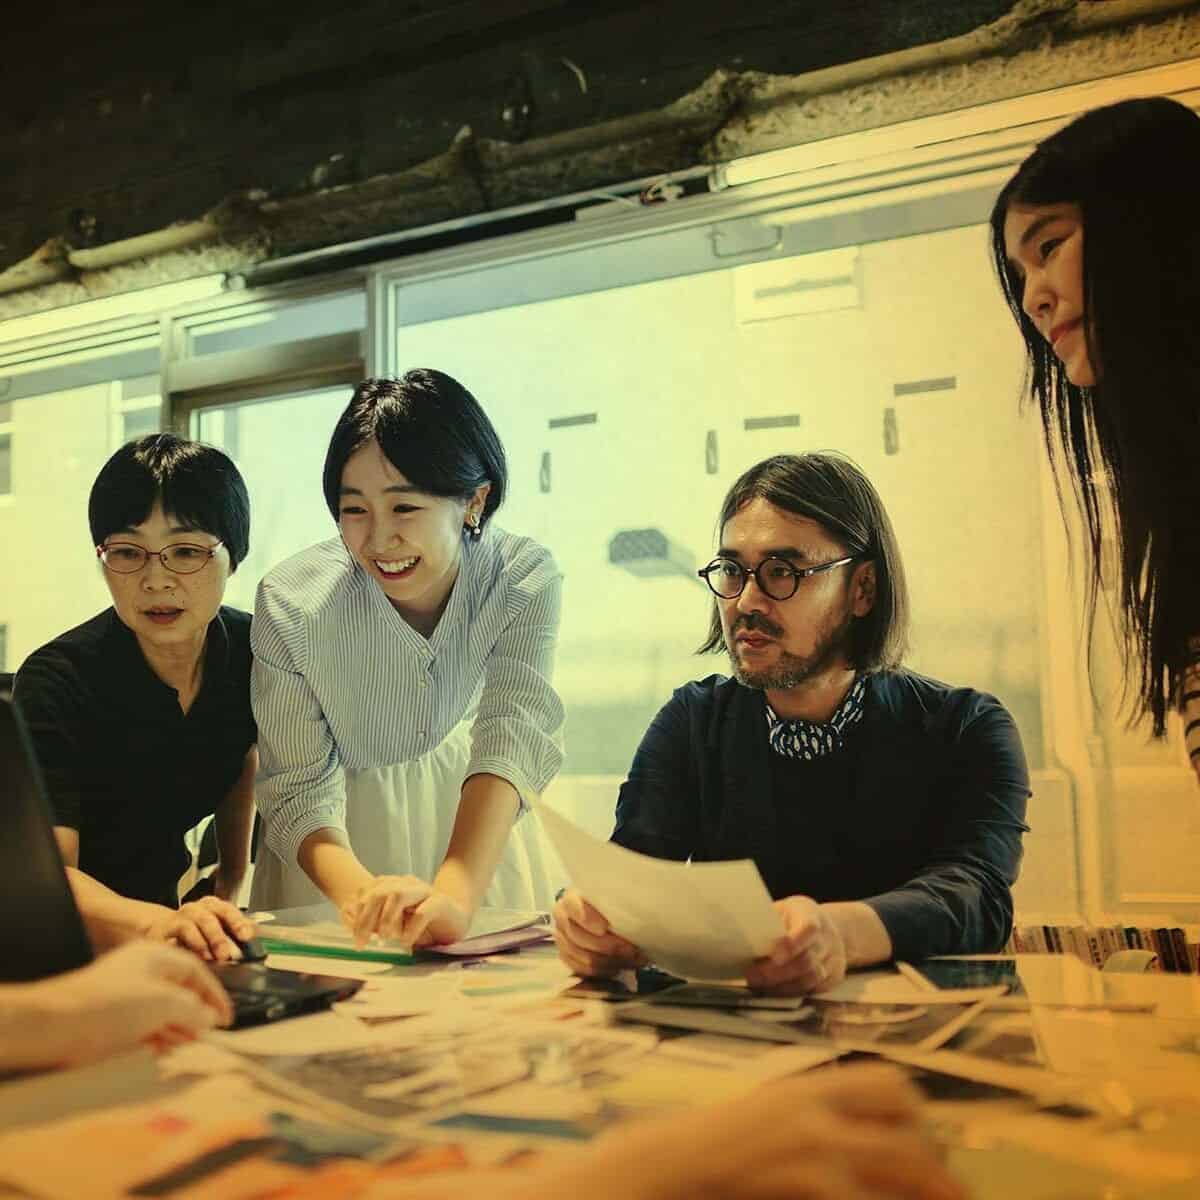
<point x="8" y="425"/>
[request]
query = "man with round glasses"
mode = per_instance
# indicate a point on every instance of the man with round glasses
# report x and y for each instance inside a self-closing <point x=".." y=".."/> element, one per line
<point x="140" y="717"/>
<point x="883" y="809"/>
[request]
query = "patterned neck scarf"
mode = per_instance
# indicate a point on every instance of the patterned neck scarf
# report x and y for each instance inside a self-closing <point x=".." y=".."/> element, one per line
<point x="809" y="740"/>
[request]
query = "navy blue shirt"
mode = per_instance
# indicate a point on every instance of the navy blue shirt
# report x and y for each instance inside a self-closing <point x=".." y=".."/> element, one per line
<point x="124" y="765"/>
<point x="920" y="814"/>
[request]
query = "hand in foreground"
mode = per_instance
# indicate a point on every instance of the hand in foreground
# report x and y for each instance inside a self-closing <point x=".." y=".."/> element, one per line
<point x="811" y="955"/>
<point x="140" y="993"/>
<point x="586" y="943"/>
<point x="202" y="926"/>
<point x="408" y="909"/>
<point x="844" y="1133"/>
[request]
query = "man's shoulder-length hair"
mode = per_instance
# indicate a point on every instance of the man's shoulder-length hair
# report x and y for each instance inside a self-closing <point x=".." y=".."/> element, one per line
<point x="832" y="490"/>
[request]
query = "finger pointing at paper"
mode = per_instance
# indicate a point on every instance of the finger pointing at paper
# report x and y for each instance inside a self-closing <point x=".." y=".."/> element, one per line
<point x="585" y="941"/>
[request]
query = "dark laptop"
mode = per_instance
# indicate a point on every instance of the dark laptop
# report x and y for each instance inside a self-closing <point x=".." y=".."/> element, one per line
<point x="41" y="931"/>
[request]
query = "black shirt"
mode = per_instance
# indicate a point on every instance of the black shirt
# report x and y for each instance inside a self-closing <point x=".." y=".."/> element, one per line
<point x="123" y="764"/>
<point x="813" y="804"/>
<point x="920" y="814"/>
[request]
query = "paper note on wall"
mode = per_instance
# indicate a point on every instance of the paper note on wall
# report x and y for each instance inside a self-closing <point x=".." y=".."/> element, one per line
<point x="698" y="920"/>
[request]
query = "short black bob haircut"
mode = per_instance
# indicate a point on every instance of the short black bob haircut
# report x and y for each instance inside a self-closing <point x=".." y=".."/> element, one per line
<point x="831" y="490"/>
<point x="197" y="485"/>
<point x="430" y="428"/>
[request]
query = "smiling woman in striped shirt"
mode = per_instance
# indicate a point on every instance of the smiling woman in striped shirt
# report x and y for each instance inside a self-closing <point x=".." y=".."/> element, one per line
<point x="402" y="679"/>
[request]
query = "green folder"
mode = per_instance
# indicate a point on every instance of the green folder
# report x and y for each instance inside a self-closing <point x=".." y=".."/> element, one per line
<point x="358" y="954"/>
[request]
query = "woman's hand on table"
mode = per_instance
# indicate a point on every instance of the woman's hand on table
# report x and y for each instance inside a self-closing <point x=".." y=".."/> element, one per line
<point x="141" y="993"/>
<point x="407" y="909"/>
<point x="585" y="941"/>
<point x="204" y="926"/>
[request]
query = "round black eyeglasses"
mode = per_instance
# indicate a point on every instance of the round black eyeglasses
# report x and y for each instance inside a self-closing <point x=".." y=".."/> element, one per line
<point x="183" y="558"/>
<point x="776" y="577"/>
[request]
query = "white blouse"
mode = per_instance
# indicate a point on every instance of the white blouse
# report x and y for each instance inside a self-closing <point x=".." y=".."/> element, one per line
<point x="340" y="679"/>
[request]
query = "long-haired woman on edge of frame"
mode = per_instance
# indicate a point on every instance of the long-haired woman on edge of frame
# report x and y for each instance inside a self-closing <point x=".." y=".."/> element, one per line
<point x="1096" y="240"/>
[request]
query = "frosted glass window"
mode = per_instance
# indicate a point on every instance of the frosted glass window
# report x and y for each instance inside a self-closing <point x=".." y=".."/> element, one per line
<point x="627" y="413"/>
<point x="51" y="580"/>
<point x="138" y="422"/>
<point x="279" y="446"/>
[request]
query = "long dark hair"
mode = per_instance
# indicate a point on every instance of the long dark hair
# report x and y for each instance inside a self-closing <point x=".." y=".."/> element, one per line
<point x="1128" y="168"/>
<point x="831" y="490"/>
<point x="430" y="428"/>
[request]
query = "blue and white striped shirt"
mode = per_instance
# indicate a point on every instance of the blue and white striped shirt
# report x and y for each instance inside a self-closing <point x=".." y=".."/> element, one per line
<point x="340" y="679"/>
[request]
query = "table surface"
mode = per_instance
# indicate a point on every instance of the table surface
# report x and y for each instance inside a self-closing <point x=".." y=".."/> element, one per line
<point x="1117" y="1110"/>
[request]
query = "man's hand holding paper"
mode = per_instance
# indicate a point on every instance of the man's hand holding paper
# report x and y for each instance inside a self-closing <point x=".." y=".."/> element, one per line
<point x="696" y="920"/>
<point x="811" y="955"/>
<point x="586" y="943"/>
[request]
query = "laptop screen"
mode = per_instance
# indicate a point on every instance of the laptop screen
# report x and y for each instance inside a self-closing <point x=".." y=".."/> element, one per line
<point x="41" y="932"/>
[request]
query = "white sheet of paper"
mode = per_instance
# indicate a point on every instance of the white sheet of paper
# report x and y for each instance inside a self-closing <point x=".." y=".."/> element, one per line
<point x="698" y="920"/>
<point x="404" y="997"/>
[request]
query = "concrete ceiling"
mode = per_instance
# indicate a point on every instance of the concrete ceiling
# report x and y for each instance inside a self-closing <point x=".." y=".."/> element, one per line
<point x="235" y="133"/>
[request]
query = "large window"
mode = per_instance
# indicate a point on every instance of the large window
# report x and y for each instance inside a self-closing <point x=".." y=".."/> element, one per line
<point x="136" y="406"/>
<point x="51" y="580"/>
<point x="628" y="411"/>
<point x="635" y="367"/>
<point x="279" y="447"/>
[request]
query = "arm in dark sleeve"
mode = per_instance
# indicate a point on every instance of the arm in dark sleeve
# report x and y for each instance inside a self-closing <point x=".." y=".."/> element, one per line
<point x="960" y="902"/>
<point x="655" y="808"/>
<point x="1189" y="703"/>
<point x="49" y="695"/>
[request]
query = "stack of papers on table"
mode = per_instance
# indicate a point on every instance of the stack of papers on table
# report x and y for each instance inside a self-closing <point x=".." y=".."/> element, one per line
<point x="318" y="930"/>
<point x="869" y="1010"/>
<point x="696" y="920"/>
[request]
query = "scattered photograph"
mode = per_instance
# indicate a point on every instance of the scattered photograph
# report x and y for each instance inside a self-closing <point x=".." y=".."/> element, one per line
<point x="400" y="1082"/>
<point x="900" y="1026"/>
